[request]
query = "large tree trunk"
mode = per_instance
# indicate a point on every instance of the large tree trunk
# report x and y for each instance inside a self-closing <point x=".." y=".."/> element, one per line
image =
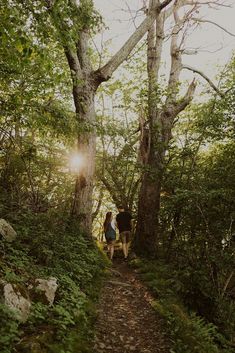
<point x="154" y="143"/>
<point x="151" y="152"/>
<point x="82" y="199"/>
<point x="148" y="210"/>
<point x="147" y="230"/>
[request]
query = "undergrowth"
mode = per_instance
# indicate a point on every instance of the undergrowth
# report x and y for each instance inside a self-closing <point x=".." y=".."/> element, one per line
<point x="51" y="246"/>
<point x="188" y="332"/>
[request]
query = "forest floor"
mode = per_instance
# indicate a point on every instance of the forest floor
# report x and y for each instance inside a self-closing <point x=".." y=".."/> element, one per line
<point x="127" y="323"/>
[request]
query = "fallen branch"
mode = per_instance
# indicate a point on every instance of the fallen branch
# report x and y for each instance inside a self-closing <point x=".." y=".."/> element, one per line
<point x="120" y="283"/>
<point x="117" y="273"/>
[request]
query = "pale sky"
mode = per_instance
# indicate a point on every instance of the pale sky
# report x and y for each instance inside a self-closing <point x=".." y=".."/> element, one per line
<point x="215" y="46"/>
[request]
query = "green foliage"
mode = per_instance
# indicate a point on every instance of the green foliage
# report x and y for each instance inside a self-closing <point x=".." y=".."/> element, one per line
<point x="117" y="166"/>
<point x="37" y="121"/>
<point x="46" y="247"/>
<point x="197" y="208"/>
<point x="189" y="333"/>
<point x="38" y="127"/>
<point x="9" y="329"/>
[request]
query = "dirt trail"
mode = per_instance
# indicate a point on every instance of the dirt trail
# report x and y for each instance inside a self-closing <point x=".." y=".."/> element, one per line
<point x="126" y="321"/>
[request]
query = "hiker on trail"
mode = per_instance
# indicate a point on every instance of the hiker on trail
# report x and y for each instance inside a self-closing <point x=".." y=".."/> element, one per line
<point x="110" y="233"/>
<point x="124" y="225"/>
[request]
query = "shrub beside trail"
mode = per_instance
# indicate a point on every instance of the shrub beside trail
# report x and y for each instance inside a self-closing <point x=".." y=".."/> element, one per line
<point x="50" y="246"/>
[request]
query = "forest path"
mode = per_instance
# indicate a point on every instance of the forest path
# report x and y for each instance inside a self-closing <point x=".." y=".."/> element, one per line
<point x="126" y="322"/>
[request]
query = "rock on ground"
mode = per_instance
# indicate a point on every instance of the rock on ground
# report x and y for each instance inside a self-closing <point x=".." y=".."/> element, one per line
<point x="19" y="298"/>
<point x="49" y="288"/>
<point x="15" y="300"/>
<point x="6" y="230"/>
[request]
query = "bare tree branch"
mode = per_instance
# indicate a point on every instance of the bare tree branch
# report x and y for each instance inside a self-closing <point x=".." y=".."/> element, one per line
<point x="213" y="23"/>
<point x="176" y="61"/>
<point x="182" y="104"/>
<point x="110" y="189"/>
<point x="105" y="72"/>
<point x="177" y="5"/>
<point x="221" y="94"/>
<point x="227" y="283"/>
<point x="165" y="3"/>
<point x="132" y="17"/>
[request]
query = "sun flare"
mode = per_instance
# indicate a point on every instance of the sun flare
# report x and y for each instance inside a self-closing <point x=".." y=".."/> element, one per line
<point x="76" y="162"/>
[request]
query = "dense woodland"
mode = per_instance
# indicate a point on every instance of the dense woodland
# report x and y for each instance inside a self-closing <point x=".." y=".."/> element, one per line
<point x="160" y="146"/>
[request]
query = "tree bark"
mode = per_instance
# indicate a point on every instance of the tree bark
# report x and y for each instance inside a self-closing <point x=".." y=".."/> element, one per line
<point x="86" y="146"/>
<point x="149" y="195"/>
<point x="161" y="121"/>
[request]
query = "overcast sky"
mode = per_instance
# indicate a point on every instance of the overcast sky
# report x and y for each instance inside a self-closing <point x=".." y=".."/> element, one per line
<point x="215" y="46"/>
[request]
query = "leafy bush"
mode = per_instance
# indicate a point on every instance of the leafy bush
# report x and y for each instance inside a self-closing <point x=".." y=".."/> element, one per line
<point x="189" y="333"/>
<point x="47" y="247"/>
<point x="9" y="329"/>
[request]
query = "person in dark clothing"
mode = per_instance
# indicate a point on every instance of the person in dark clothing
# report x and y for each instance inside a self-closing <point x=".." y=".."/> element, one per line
<point x="124" y="224"/>
<point x="110" y="233"/>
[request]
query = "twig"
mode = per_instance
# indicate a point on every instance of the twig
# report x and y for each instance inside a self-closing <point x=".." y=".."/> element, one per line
<point x="215" y="24"/>
<point x="227" y="283"/>
<point x="120" y="283"/>
<point x="221" y="94"/>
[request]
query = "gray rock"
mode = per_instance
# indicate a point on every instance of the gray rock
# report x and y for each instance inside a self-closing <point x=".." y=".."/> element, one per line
<point x="19" y="298"/>
<point x="48" y="287"/>
<point x="6" y="230"/>
<point x="16" y="301"/>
